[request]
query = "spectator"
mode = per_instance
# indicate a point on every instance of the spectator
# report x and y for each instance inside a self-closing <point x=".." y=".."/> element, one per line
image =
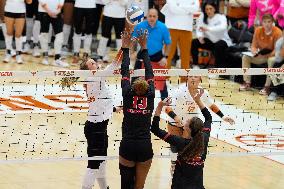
<point x="257" y="9"/>
<point x="68" y="10"/>
<point x="278" y="11"/>
<point x="32" y="29"/>
<point x="238" y="10"/>
<point x="15" y="13"/>
<point x="113" y="16"/>
<point x="50" y="13"/>
<point x="179" y="19"/>
<point x="84" y="11"/>
<point x="211" y="34"/>
<point x="264" y="39"/>
<point x="279" y="61"/>
<point x="158" y="37"/>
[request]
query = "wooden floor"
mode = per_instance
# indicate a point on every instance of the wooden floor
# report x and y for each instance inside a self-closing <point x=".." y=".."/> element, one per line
<point x="57" y="135"/>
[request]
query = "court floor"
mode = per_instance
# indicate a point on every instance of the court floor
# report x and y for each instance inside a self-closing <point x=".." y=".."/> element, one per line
<point x="42" y="137"/>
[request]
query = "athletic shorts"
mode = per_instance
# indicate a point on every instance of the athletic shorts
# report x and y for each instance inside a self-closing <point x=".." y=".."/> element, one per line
<point x="97" y="140"/>
<point x="45" y="20"/>
<point x="32" y="9"/>
<point x="15" y="15"/>
<point x="69" y="1"/>
<point x="136" y="150"/>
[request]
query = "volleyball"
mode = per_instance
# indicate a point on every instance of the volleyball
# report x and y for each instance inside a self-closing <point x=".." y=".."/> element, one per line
<point x="134" y="15"/>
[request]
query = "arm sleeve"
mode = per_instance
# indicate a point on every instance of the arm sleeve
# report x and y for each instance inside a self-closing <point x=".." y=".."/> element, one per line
<point x="252" y="13"/>
<point x="220" y="27"/>
<point x="206" y="130"/>
<point x="125" y="81"/>
<point x="162" y="134"/>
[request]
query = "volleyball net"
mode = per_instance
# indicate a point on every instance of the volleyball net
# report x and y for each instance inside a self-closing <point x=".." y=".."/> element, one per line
<point x="40" y="121"/>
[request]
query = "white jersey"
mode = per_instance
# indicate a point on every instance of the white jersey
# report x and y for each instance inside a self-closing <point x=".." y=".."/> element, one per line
<point x="15" y="6"/>
<point x="100" y="98"/>
<point x="115" y="8"/>
<point x="52" y="5"/>
<point x="185" y="107"/>
<point x="85" y="3"/>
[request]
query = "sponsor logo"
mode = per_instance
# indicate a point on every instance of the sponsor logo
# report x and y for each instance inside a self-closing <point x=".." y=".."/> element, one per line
<point x="6" y="74"/>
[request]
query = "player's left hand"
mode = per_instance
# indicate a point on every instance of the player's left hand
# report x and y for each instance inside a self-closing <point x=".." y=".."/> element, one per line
<point x="229" y="120"/>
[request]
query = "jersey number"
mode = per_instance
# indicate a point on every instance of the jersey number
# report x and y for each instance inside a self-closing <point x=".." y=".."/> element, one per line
<point x="139" y="102"/>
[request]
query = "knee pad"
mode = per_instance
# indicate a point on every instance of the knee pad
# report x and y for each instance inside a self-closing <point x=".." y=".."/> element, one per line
<point x="58" y="43"/>
<point x="127" y="175"/>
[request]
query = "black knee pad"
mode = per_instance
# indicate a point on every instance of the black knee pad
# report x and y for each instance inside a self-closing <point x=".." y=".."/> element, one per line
<point x="127" y="175"/>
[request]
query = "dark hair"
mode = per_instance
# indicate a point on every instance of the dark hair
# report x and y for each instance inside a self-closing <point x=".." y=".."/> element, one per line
<point x="268" y="16"/>
<point x="214" y="4"/>
<point x="196" y="145"/>
<point x="83" y="64"/>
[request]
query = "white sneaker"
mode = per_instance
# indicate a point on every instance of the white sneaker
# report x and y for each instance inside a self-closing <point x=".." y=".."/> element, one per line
<point x="272" y="96"/>
<point x="19" y="59"/>
<point x="60" y="63"/>
<point x="45" y="61"/>
<point x="36" y="52"/>
<point x="7" y="58"/>
<point x="27" y="48"/>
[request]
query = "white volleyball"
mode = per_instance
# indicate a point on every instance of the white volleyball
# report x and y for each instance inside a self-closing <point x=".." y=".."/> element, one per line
<point x="134" y="15"/>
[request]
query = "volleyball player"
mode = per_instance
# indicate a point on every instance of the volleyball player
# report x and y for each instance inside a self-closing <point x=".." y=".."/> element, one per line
<point x="100" y="111"/>
<point x="32" y="29"/>
<point x="113" y="16"/>
<point x="184" y="108"/>
<point x="15" y="13"/>
<point x="135" y="151"/>
<point x="68" y="10"/>
<point x="84" y="10"/>
<point x="50" y="12"/>
<point x="192" y="147"/>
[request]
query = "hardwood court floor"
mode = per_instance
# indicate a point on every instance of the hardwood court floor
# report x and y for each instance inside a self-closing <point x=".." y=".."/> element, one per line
<point x="54" y="135"/>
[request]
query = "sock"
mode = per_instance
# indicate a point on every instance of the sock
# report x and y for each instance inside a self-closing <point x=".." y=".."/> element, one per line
<point x="44" y="42"/>
<point x="36" y="31"/>
<point x="102" y="46"/>
<point x="87" y="44"/>
<point x="118" y="43"/>
<point x="101" y="177"/>
<point x="76" y="42"/>
<point x="8" y="42"/>
<point x="89" y="179"/>
<point x="58" y="43"/>
<point x="4" y="30"/>
<point x="66" y="32"/>
<point x="50" y="33"/>
<point x="19" y="44"/>
<point x="29" y="28"/>
<point x="127" y="176"/>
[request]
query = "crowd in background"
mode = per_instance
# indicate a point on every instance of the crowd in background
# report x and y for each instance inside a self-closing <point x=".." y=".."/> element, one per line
<point x="185" y="27"/>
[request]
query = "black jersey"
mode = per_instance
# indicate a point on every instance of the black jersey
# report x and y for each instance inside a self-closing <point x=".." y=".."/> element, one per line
<point x="137" y="110"/>
<point x="187" y="175"/>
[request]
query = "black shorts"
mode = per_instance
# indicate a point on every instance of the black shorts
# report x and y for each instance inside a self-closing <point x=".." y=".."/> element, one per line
<point x="69" y="1"/>
<point x="15" y="15"/>
<point x="45" y="20"/>
<point x="81" y="14"/>
<point x="97" y="140"/>
<point x="32" y="9"/>
<point x="136" y="150"/>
